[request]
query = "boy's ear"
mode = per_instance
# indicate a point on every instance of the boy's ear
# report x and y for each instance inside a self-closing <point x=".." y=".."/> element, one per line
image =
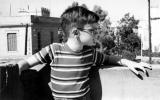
<point x="75" y="31"/>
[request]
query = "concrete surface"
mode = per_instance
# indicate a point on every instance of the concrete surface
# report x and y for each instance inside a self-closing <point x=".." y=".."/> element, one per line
<point x="122" y="84"/>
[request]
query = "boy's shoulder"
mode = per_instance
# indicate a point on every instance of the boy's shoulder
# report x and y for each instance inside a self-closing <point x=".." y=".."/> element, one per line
<point x="56" y="46"/>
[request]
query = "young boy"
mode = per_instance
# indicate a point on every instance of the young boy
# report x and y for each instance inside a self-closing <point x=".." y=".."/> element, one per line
<point x="71" y="61"/>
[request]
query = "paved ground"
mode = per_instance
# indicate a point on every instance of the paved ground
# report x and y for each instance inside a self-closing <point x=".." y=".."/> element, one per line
<point x="122" y="84"/>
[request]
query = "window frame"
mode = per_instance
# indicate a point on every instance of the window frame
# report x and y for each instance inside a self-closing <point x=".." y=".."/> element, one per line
<point x="14" y="44"/>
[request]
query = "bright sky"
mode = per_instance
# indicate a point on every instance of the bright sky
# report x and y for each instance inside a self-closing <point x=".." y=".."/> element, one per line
<point x="116" y="8"/>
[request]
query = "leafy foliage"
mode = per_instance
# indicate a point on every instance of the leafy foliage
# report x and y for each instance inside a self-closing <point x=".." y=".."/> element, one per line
<point x="85" y="6"/>
<point x="101" y="13"/>
<point x="75" y="4"/>
<point x="129" y="40"/>
<point x="106" y="34"/>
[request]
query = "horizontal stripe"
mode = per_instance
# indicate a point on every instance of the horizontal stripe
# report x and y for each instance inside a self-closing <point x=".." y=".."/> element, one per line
<point x="62" y="69"/>
<point x="72" y="56"/>
<point x="67" y="75"/>
<point x="73" y="53"/>
<point x="73" y="60"/>
<point x="46" y="54"/>
<point x="38" y="56"/>
<point x="69" y="78"/>
<point x="70" y="95"/>
<point x="72" y="65"/>
<point x="73" y="92"/>
<point x="42" y="57"/>
<point x="69" y="85"/>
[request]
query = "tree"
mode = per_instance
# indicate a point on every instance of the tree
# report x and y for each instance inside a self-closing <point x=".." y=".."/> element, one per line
<point x="105" y="35"/>
<point x="75" y="4"/>
<point x="101" y="13"/>
<point x="129" y="40"/>
<point x="85" y="6"/>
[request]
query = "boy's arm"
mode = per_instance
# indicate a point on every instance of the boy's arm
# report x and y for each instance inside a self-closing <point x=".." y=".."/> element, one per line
<point x="28" y="63"/>
<point x="40" y="57"/>
<point x="22" y="64"/>
<point x="133" y="66"/>
<point x="111" y="60"/>
<point x="116" y="60"/>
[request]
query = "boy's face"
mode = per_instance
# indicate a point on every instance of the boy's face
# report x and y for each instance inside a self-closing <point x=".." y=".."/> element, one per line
<point x="88" y="33"/>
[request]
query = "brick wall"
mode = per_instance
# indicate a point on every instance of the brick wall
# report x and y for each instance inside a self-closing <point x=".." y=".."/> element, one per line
<point x="43" y="32"/>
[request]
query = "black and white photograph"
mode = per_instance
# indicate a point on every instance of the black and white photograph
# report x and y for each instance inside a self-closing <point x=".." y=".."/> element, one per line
<point x="79" y="49"/>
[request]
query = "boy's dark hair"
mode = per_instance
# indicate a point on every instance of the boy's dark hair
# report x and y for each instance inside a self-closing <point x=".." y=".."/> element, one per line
<point x="77" y="15"/>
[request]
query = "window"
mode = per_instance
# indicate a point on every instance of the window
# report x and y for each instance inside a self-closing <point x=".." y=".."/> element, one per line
<point x="12" y="41"/>
<point x="39" y="40"/>
<point x="51" y="35"/>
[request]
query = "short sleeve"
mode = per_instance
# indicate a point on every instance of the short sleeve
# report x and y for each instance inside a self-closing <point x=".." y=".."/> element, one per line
<point x="44" y="55"/>
<point x="99" y="58"/>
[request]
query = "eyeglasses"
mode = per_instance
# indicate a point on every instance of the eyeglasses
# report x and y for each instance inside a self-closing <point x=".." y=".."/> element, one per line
<point x="89" y="31"/>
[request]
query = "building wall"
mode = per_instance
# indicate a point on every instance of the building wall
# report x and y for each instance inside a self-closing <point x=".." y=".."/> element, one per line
<point x="20" y="34"/>
<point x="43" y="35"/>
<point x="29" y="41"/>
<point x="41" y="32"/>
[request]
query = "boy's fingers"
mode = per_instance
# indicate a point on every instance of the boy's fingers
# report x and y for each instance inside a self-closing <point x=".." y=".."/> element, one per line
<point x="145" y="71"/>
<point x="147" y="74"/>
<point x="146" y="65"/>
<point x="136" y="73"/>
<point x="8" y="64"/>
<point x="140" y="76"/>
<point x="3" y="65"/>
<point x="142" y="68"/>
<point x="134" y="70"/>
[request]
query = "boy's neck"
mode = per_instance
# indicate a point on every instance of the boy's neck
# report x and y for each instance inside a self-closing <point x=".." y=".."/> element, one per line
<point x="74" y="45"/>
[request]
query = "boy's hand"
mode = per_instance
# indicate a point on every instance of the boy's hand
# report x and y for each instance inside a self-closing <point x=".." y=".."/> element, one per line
<point x="139" y="66"/>
<point x="134" y="66"/>
<point x="10" y="73"/>
<point x="10" y="66"/>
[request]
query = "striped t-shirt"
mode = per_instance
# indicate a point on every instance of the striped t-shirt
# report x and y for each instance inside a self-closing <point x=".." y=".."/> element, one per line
<point x="69" y="70"/>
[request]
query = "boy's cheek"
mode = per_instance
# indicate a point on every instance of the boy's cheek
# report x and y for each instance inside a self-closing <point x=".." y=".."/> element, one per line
<point x="86" y="38"/>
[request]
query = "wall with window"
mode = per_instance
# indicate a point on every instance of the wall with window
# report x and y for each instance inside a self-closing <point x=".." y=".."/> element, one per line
<point x="12" y="41"/>
<point x="41" y="31"/>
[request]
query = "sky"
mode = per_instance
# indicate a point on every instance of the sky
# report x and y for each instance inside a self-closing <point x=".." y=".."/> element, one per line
<point x="115" y="8"/>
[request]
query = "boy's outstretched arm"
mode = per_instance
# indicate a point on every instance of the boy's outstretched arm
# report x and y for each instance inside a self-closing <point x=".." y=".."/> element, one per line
<point x="133" y="66"/>
<point x="40" y="57"/>
<point x="22" y="64"/>
<point x="27" y="63"/>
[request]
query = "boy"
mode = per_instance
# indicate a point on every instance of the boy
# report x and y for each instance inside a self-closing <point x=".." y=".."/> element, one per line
<point x="71" y="61"/>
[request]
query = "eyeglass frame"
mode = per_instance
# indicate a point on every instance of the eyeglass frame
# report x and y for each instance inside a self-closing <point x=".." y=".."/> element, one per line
<point x="89" y="31"/>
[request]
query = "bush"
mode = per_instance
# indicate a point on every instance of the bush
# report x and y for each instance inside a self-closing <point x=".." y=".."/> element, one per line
<point x="128" y="55"/>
